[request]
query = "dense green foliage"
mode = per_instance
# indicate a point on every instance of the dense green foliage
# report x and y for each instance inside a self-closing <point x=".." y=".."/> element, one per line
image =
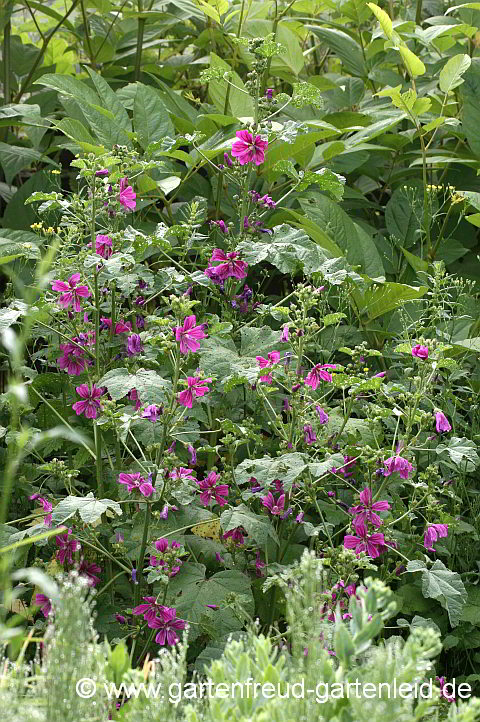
<point x="239" y="259"/>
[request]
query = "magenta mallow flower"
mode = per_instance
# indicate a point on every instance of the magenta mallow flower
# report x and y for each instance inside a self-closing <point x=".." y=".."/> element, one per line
<point x="220" y="224"/>
<point x="44" y="603"/>
<point x="372" y="544"/>
<point x="182" y="473"/>
<point x="127" y="195"/>
<point x="397" y="463"/>
<point x="275" y="507"/>
<point x="73" y="360"/>
<point x="90" y="405"/>
<point x="103" y="246"/>
<point x="272" y="358"/>
<point x="152" y="412"/>
<point x="136" y="482"/>
<point x="193" y="454"/>
<point x="237" y="535"/>
<point x="442" y="423"/>
<point x="247" y="149"/>
<point x="420" y="351"/>
<point x="70" y="292"/>
<point x="365" y="511"/>
<point x="322" y="415"/>
<point x="67" y="547"/>
<point x="149" y="610"/>
<point x="134" y="344"/>
<point x="309" y="434"/>
<point x="196" y="387"/>
<point x="285" y="335"/>
<point x="189" y="335"/>
<point x="442" y="683"/>
<point x="432" y="533"/>
<point x="120" y="327"/>
<point x="46" y="505"/>
<point x="318" y="374"/>
<point x="90" y="571"/>
<point x="168" y="624"/>
<point x="229" y="268"/>
<point x="210" y="489"/>
<point x="166" y="509"/>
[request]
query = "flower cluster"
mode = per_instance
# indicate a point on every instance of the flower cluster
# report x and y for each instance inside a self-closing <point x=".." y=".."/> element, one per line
<point x="166" y="557"/>
<point x="366" y="514"/>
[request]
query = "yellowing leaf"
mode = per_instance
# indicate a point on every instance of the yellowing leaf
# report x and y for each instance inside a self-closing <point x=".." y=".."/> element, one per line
<point x="383" y="19"/>
<point x="208" y="530"/>
<point x="413" y="64"/>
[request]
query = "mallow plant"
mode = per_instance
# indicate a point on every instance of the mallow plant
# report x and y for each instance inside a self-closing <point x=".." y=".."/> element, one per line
<point x="77" y="676"/>
<point x="228" y="398"/>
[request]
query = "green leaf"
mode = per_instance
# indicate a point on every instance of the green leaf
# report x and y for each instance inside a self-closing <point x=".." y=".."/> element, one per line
<point x="110" y="99"/>
<point x="380" y="299"/>
<point x="89" y="508"/>
<point x="287" y="468"/>
<point x="76" y="131"/>
<point x="258" y="527"/>
<point x="149" y="385"/>
<point x="461" y="451"/>
<point x="445" y="586"/>
<point x="413" y="63"/>
<point x="355" y="243"/>
<point x="451" y="73"/>
<point x="257" y="341"/>
<point x="288" y="249"/>
<point x="150" y="116"/>
<point x="240" y="103"/>
<point x="190" y="593"/>
<point x="347" y="49"/>
<point x="470" y="93"/>
<point x="344" y="647"/>
<point x="14" y="158"/>
<point x="383" y="19"/>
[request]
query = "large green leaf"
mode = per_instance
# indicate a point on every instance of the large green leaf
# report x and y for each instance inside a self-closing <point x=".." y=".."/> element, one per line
<point x="93" y="107"/>
<point x="190" y="592"/>
<point x="288" y="249"/>
<point x="240" y="103"/>
<point x="445" y="586"/>
<point x="355" y="243"/>
<point x="461" y="451"/>
<point x="347" y="49"/>
<point x="258" y="527"/>
<point x="451" y="73"/>
<point x="151" y="118"/>
<point x="470" y="92"/>
<point x="110" y="99"/>
<point x="151" y="387"/>
<point x="89" y="508"/>
<point x="379" y="299"/>
<point x="14" y="158"/>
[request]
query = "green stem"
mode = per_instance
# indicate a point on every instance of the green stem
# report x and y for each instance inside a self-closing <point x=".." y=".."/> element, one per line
<point x="87" y="34"/>
<point x="98" y="464"/>
<point x="138" y="56"/>
<point x="6" y="62"/>
<point x="110" y="582"/>
<point x="418" y="14"/>
<point x="141" y="555"/>
<point x="434" y="250"/>
<point x="41" y="52"/>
